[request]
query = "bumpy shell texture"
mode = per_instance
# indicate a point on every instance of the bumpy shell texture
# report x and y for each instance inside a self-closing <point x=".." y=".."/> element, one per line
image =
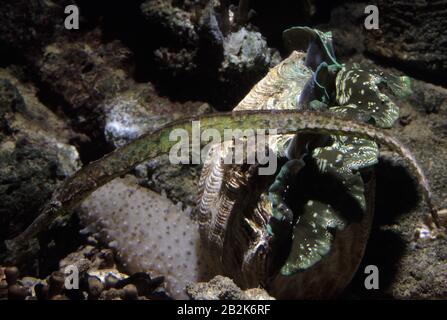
<point x="300" y="233"/>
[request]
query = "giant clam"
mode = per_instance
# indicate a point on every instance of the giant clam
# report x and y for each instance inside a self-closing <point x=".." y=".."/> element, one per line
<point x="299" y="233"/>
<point x="315" y="251"/>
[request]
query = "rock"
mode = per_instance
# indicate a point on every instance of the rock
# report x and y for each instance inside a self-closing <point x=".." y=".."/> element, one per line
<point x="257" y="294"/>
<point x="202" y="44"/>
<point x="143" y="283"/>
<point x="84" y="71"/>
<point x="93" y="80"/>
<point x="95" y="287"/>
<point x="59" y="297"/>
<point x="11" y="275"/>
<point x="246" y="59"/>
<point x="3" y="289"/>
<point x="35" y="153"/>
<point x="273" y="18"/>
<point x="222" y="288"/>
<point x="140" y="110"/>
<point x="410" y="267"/>
<point x="79" y="75"/>
<point x="178" y="63"/>
<point x="172" y="20"/>
<point x="41" y="291"/>
<point x="413" y="35"/>
<point x="56" y="283"/>
<point x="246" y="50"/>
<point x="110" y="282"/>
<point x="429" y="98"/>
<point x="16" y="292"/>
<point x="11" y="101"/>
<point x="99" y="279"/>
<point x="27" y="25"/>
<point x="175" y="52"/>
<point x="347" y="26"/>
<point x="112" y="294"/>
<point x="130" y="292"/>
<point x="80" y="259"/>
<point x="421" y="272"/>
<point x="179" y="182"/>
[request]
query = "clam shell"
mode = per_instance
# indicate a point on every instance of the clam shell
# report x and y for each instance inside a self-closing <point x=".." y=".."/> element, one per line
<point x="234" y="212"/>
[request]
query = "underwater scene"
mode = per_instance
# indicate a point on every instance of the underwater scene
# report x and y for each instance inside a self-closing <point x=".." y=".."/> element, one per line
<point x="223" y="150"/>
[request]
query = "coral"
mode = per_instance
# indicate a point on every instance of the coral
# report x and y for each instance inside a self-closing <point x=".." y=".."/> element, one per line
<point x="138" y="110"/>
<point x="246" y="57"/>
<point x="245" y="50"/>
<point x="202" y="44"/>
